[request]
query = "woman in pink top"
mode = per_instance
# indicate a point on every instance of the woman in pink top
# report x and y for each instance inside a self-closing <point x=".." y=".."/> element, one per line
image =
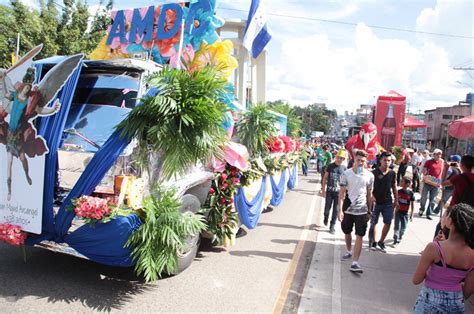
<point x="445" y="265"/>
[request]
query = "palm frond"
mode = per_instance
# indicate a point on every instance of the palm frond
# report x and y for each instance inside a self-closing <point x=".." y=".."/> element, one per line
<point x="183" y="121"/>
<point x="255" y="127"/>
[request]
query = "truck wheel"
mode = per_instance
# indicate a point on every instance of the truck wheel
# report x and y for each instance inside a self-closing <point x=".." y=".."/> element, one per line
<point x="185" y="258"/>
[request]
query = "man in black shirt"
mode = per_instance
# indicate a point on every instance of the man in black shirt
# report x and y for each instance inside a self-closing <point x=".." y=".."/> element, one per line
<point x="384" y="185"/>
<point x="330" y="188"/>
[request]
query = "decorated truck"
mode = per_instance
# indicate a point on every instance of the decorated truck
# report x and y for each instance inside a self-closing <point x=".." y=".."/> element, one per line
<point x="129" y="162"/>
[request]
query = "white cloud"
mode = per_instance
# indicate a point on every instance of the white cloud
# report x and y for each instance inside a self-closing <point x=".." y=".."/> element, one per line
<point x="311" y="69"/>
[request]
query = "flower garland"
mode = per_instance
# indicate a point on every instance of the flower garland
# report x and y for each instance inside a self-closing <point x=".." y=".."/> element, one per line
<point x="222" y="218"/>
<point x="12" y="234"/>
<point x="94" y="209"/>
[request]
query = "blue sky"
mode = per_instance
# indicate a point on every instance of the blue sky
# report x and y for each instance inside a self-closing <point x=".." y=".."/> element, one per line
<point x="347" y="65"/>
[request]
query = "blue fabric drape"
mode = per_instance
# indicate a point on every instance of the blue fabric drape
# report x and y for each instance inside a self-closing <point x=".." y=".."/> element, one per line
<point x="278" y="190"/>
<point x="50" y="128"/>
<point x="249" y="211"/>
<point x="292" y="179"/>
<point x="92" y="175"/>
<point x="104" y="243"/>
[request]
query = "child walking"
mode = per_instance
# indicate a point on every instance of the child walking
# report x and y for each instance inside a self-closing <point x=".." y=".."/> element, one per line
<point x="445" y="265"/>
<point x="406" y="199"/>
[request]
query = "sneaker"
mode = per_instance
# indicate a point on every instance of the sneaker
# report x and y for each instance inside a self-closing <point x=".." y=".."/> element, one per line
<point x="420" y="213"/>
<point x="429" y="218"/>
<point x="332" y="230"/>
<point x="356" y="268"/>
<point x="326" y="219"/>
<point x="395" y="242"/>
<point x="373" y="246"/>
<point x="381" y="247"/>
<point x="346" y="256"/>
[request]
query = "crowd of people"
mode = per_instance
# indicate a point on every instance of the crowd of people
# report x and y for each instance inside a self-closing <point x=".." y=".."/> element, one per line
<point x="358" y="191"/>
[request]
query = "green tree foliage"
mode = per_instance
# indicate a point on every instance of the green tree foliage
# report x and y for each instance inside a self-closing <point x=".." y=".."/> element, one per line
<point x="71" y="31"/>
<point x="294" y="121"/>
<point x="316" y="117"/>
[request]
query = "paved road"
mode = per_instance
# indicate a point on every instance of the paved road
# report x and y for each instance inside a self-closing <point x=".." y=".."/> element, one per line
<point x="384" y="287"/>
<point x="264" y="271"/>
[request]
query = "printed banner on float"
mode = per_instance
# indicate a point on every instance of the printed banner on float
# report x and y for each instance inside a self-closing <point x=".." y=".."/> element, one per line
<point x="22" y="151"/>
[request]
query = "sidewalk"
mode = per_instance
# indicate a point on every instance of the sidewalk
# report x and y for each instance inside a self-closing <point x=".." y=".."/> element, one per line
<point x="384" y="287"/>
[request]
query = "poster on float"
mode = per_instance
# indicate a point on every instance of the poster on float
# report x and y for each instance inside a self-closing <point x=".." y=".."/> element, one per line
<point x="22" y="150"/>
<point x="389" y="117"/>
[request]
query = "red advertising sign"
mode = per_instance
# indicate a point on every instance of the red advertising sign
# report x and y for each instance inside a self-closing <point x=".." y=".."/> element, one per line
<point x="389" y="117"/>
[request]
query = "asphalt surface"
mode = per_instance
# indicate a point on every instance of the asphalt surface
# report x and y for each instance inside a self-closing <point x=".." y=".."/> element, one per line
<point x="265" y="271"/>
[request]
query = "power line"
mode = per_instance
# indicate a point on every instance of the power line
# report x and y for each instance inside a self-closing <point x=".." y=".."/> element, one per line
<point x="355" y="24"/>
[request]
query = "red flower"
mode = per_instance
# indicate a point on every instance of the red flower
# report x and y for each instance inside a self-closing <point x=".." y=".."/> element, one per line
<point x="222" y="200"/>
<point x="236" y="181"/>
<point x="224" y="186"/>
<point x="212" y="191"/>
<point x="224" y="176"/>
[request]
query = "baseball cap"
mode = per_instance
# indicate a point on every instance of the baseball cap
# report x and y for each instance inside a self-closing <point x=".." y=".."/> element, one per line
<point x="437" y="151"/>
<point x="342" y="153"/>
<point x="455" y="158"/>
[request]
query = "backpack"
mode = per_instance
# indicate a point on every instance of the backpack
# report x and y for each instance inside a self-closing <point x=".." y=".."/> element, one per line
<point x="468" y="195"/>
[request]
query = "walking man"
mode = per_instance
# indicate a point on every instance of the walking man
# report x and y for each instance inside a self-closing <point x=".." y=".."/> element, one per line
<point x="384" y="185"/>
<point x="432" y="171"/>
<point x="355" y="204"/>
<point x="330" y="188"/>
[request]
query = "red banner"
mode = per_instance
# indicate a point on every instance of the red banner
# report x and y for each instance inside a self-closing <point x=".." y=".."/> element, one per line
<point x="389" y="117"/>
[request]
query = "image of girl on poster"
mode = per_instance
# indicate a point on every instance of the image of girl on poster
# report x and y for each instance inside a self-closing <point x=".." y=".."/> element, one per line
<point x="19" y="135"/>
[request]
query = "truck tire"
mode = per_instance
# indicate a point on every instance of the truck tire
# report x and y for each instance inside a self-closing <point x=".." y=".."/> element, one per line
<point x="190" y="203"/>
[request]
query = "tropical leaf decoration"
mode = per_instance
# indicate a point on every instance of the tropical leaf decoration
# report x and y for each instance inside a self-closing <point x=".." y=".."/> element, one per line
<point x="183" y="121"/>
<point x="255" y="127"/>
<point x="155" y="245"/>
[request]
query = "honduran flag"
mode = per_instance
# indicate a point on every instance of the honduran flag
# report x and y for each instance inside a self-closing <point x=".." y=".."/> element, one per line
<point x="257" y="35"/>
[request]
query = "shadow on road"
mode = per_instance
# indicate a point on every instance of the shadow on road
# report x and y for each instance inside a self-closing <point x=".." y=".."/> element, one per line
<point x="63" y="278"/>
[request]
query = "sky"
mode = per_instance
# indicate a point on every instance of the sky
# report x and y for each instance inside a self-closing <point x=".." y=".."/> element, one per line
<point x="310" y="61"/>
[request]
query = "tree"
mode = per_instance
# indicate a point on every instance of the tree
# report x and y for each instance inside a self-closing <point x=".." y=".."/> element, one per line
<point x="7" y="36"/>
<point x="49" y="26"/>
<point x="294" y="121"/>
<point x="316" y="117"/>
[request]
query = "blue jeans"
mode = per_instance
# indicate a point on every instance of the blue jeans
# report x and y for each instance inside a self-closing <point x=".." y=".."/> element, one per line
<point x="304" y="167"/>
<point x="430" y="192"/>
<point x="401" y="218"/>
<point x="438" y="301"/>
<point x="332" y="198"/>
<point x="447" y="194"/>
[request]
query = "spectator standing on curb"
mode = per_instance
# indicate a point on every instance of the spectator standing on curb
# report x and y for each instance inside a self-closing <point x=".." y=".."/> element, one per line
<point x="327" y="159"/>
<point x="446" y="266"/>
<point x="355" y="207"/>
<point x="330" y="188"/>
<point x="406" y="200"/>
<point x="306" y="153"/>
<point x="432" y="172"/>
<point x="450" y="170"/>
<point x="415" y="163"/>
<point x="384" y="186"/>
<point x="403" y="165"/>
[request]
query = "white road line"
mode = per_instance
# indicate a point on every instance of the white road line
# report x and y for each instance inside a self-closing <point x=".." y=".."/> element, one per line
<point x="336" y="280"/>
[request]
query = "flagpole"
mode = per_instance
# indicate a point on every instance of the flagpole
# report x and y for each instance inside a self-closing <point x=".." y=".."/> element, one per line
<point x="180" y="49"/>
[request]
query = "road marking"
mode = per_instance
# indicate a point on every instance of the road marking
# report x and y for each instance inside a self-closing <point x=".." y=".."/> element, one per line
<point x="285" y="289"/>
<point x="336" y="280"/>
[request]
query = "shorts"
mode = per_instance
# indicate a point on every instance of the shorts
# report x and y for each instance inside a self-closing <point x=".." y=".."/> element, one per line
<point x="387" y="214"/>
<point x="360" y="222"/>
<point x="437" y="301"/>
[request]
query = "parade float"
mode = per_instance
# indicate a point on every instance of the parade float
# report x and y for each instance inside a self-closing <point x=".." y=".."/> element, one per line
<point x="128" y="162"/>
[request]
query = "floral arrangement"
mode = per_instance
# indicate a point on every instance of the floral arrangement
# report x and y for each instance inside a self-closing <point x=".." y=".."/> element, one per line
<point x="94" y="209"/>
<point x="12" y="234"/>
<point x="282" y="144"/>
<point x="222" y="218"/>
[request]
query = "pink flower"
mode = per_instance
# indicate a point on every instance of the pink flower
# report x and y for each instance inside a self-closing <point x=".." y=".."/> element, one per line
<point x="91" y="207"/>
<point x="224" y="176"/>
<point x="212" y="191"/>
<point x="12" y="234"/>
<point x="224" y="186"/>
<point x="236" y="181"/>
<point x="222" y="200"/>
